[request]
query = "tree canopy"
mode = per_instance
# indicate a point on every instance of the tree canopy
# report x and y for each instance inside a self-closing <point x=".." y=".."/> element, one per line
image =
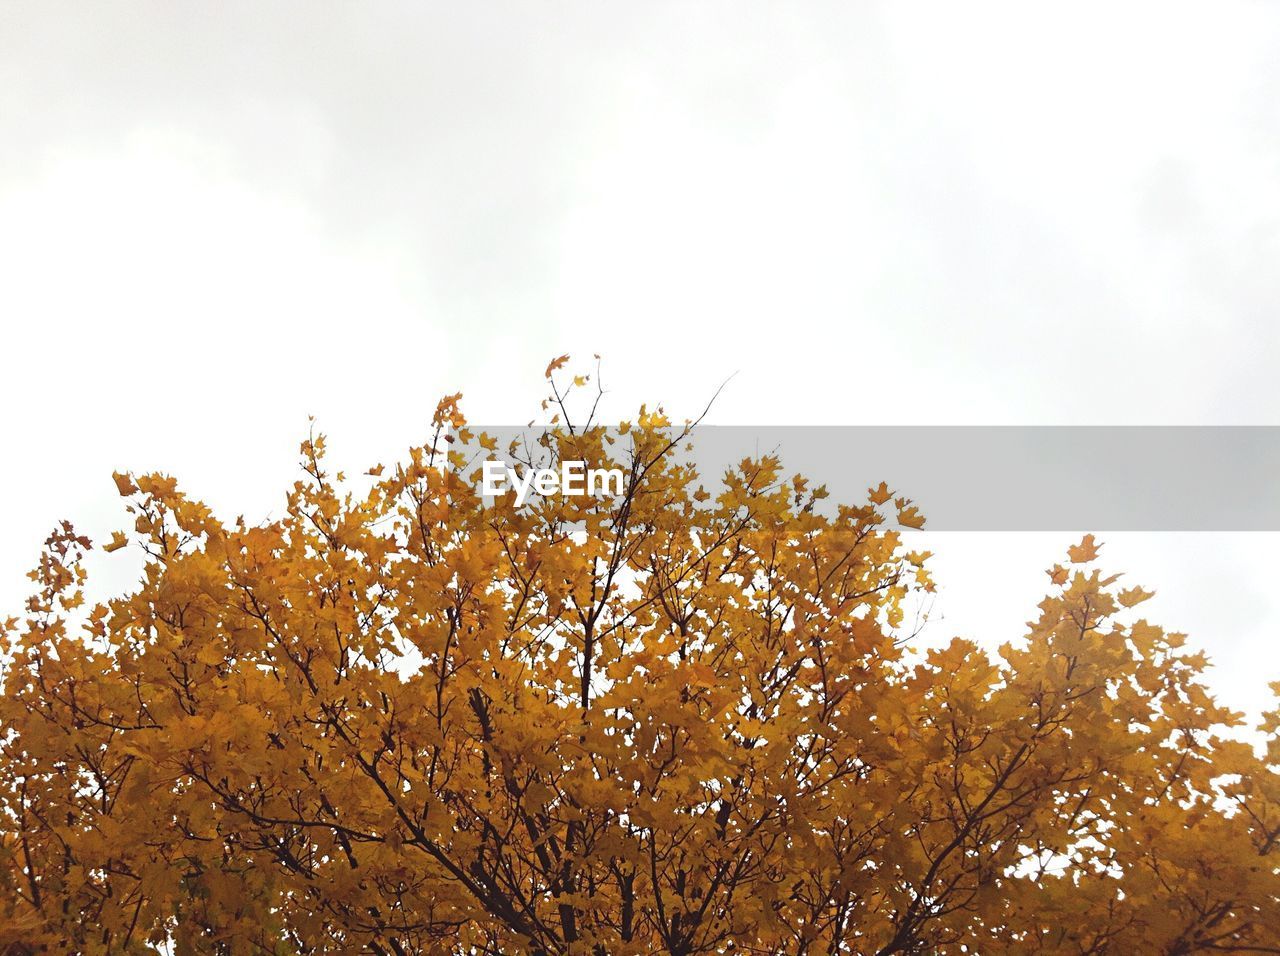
<point x="682" y="719"/>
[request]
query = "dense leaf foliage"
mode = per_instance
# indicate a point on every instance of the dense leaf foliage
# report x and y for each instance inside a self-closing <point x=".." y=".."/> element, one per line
<point x="681" y="720"/>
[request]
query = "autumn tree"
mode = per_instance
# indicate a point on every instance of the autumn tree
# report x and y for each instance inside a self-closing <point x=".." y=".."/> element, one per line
<point x="685" y="719"/>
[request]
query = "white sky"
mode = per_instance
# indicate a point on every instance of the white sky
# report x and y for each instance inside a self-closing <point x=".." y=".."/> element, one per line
<point x="217" y="219"/>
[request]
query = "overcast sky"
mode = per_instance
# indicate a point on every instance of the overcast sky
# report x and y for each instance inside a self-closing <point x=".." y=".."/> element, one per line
<point x="216" y="219"/>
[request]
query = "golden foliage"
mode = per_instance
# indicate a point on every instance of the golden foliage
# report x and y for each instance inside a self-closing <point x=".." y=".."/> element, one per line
<point x="681" y="721"/>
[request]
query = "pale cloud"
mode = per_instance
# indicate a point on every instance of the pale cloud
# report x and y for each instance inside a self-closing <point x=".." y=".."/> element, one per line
<point x="216" y="220"/>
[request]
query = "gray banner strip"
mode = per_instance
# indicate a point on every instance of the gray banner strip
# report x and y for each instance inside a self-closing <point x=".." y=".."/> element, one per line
<point x="1016" y="478"/>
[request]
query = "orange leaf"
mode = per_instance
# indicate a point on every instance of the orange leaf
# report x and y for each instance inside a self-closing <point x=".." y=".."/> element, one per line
<point x="1083" y="552"/>
<point x="556" y="363"/>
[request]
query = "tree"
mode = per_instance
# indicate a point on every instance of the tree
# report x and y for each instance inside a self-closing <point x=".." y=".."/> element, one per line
<point x="676" y="720"/>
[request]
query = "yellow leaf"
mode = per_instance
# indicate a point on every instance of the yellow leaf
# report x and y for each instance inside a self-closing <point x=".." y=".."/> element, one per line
<point x="880" y="495"/>
<point x="911" y="517"/>
<point x="210" y="654"/>
<point x="701" y="675"/>
<point x="1135" y="595"/>
<point x="1083" y="552"/>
